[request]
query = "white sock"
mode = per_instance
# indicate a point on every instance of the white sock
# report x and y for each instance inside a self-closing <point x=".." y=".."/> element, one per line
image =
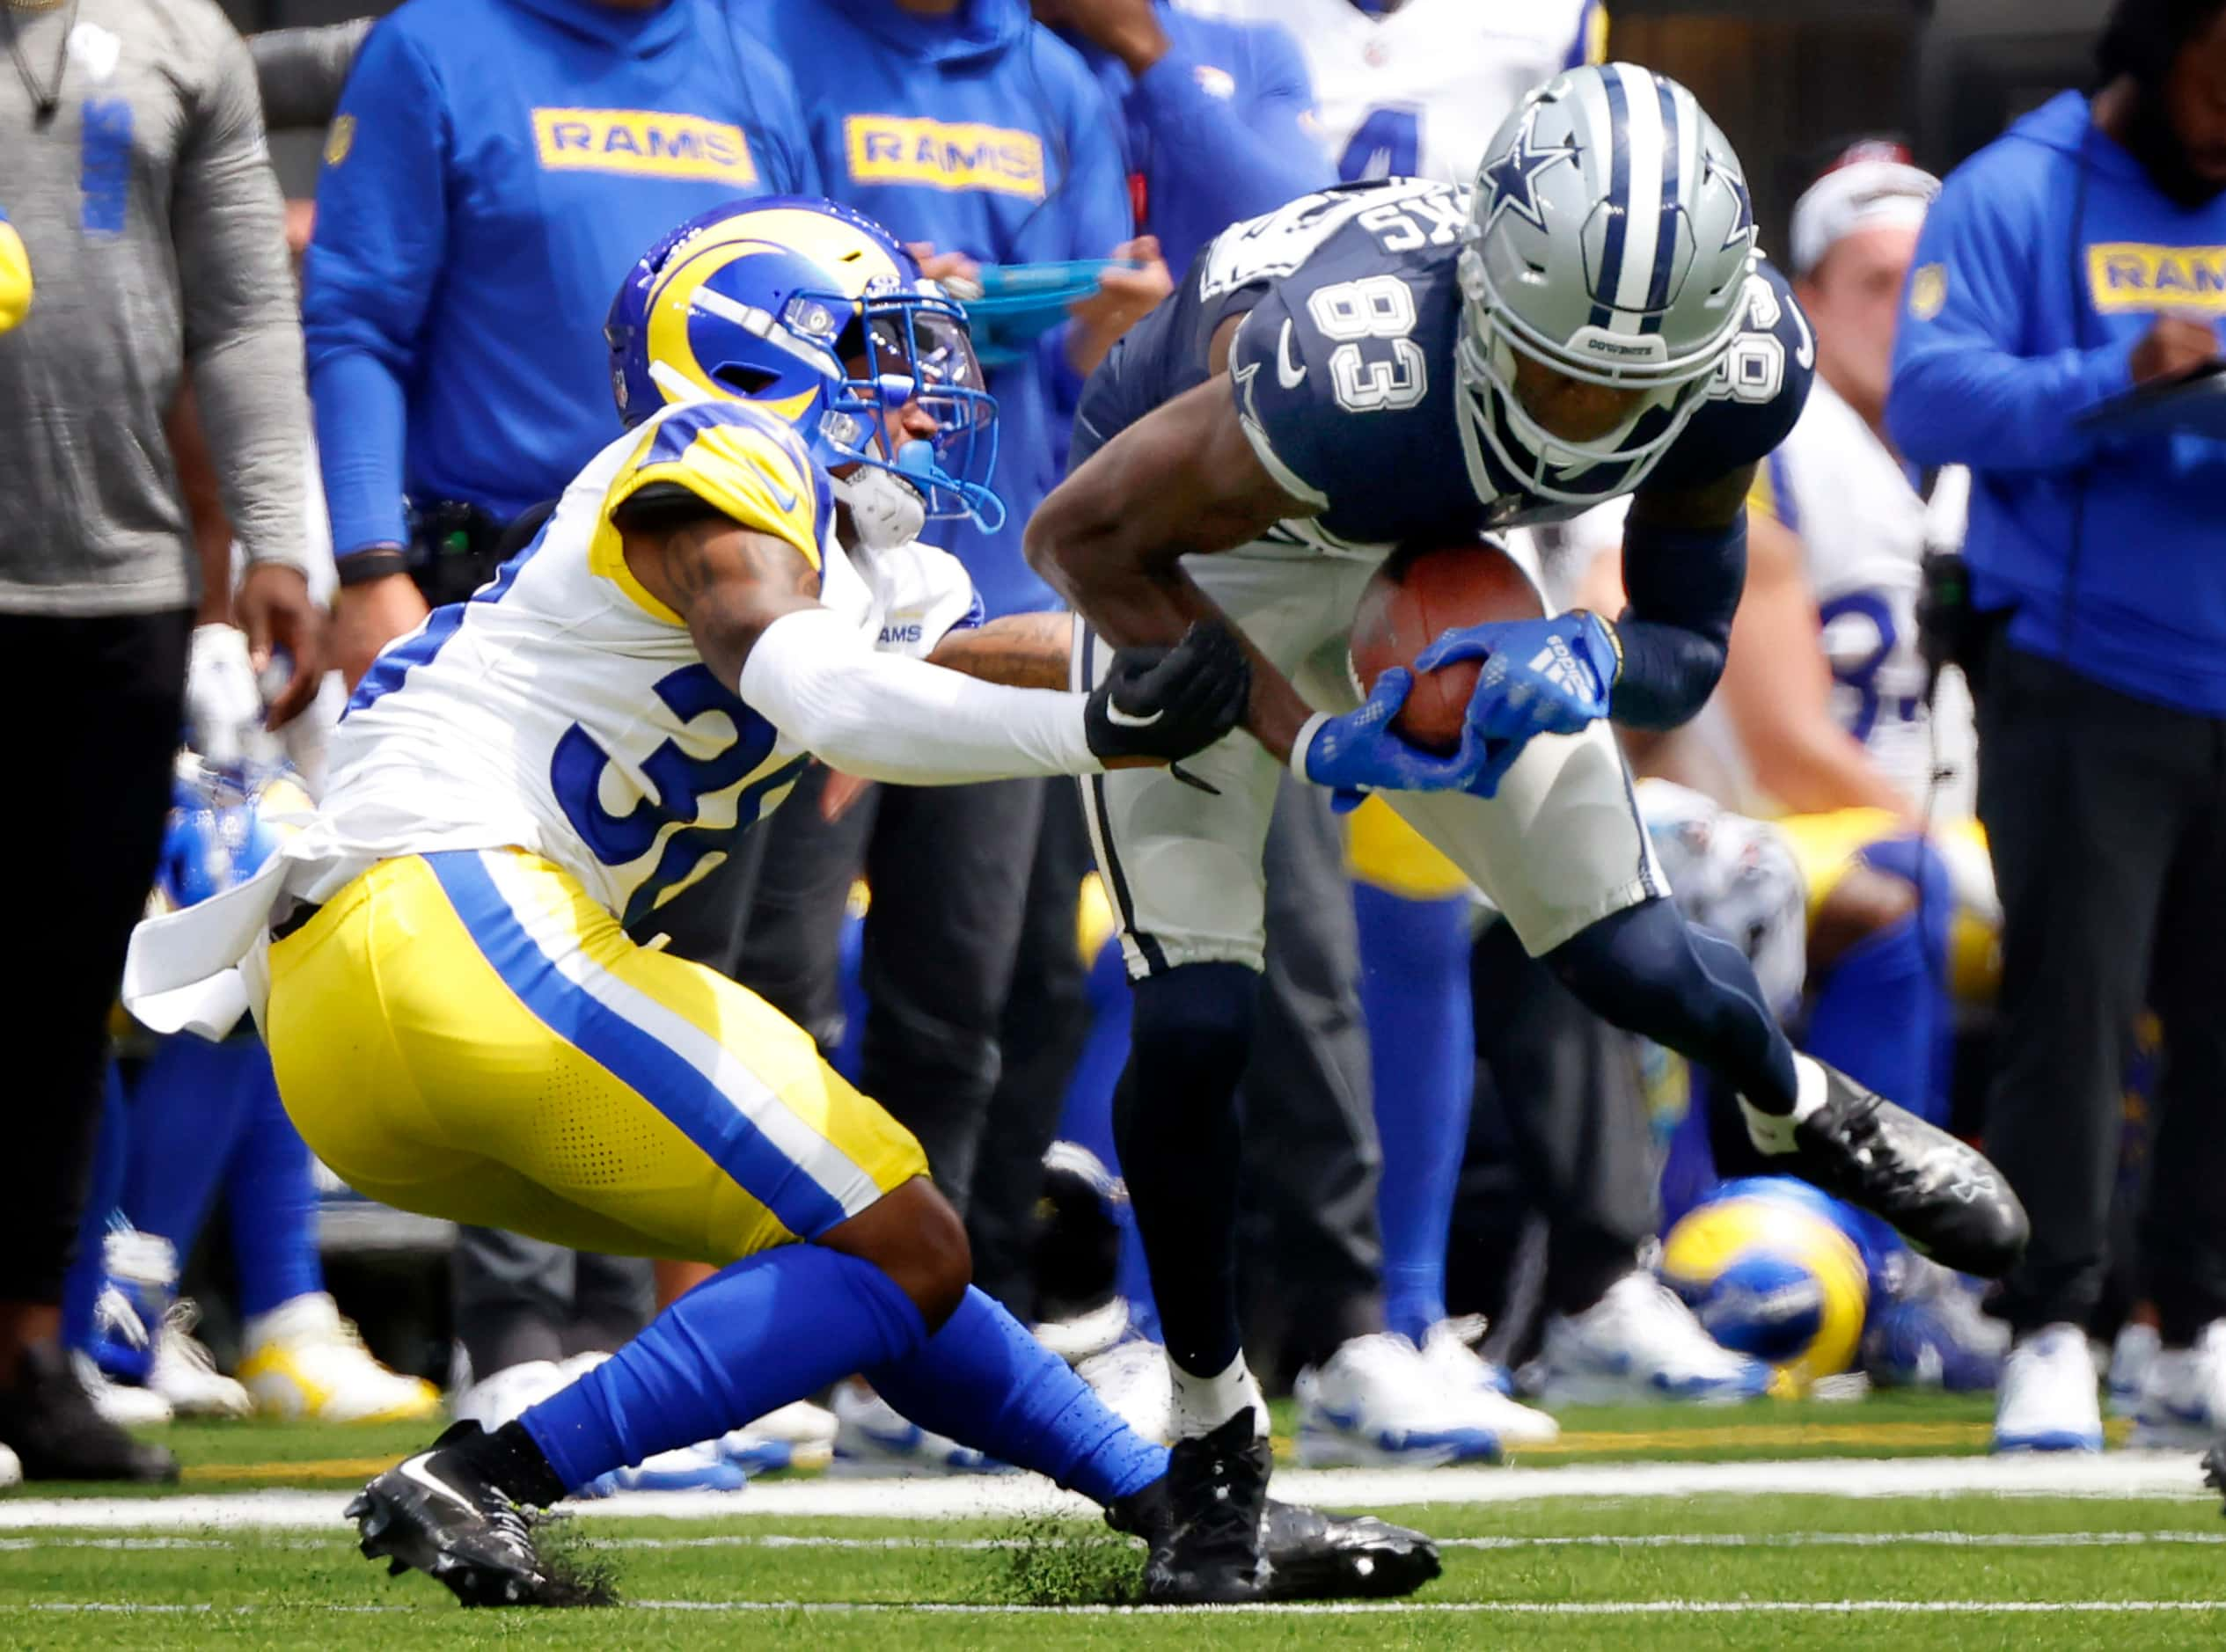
<point x="1773" y="1132"/>
<point x="1202" y="1404"/>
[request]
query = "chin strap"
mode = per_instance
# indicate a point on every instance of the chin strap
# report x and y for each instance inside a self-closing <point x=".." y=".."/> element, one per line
<point x="885" y="510"/>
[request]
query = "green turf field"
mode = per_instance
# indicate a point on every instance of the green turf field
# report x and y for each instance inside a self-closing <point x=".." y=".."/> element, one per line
<point x="1713" y="1567"/>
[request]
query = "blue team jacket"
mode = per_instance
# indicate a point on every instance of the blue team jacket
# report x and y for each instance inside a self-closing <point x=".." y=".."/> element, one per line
<point x="496" y="167"/>
<point x="2031" y="287"/>
<point x="983" y="133"/>
<point x="1213" y="129"/>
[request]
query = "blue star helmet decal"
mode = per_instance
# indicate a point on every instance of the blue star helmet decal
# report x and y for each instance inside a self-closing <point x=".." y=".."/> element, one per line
<point x="1513" y="176"/>
<point x="1743" y="222"/>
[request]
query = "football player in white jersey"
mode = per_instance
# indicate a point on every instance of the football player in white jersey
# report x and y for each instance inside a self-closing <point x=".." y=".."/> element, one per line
<point x="460" y="1025"/>
<point x="1415" y="88"/>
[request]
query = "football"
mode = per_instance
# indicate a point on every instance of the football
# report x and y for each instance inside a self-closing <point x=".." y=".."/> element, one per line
<point x="1420" y="592"/>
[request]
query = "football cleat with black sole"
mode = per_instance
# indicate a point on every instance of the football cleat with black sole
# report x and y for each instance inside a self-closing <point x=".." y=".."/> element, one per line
<point x="442" y="1514"/>
<point x="57" y="1433"/>
<point x="1207" y="1551"/>
<point x="1309" y="1556"/>
<point x="1939" y="1194"/>
<point x="1312" y="1555"/>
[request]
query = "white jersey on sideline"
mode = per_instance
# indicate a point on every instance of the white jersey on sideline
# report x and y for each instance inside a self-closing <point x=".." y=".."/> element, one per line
<point x="1864" y="530"/>
<point x="564" y="710"/>
<point x="1419" y="92"/>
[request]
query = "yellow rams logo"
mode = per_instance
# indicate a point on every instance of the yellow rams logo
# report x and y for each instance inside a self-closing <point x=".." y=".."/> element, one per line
<point x="642" y="143"/>
<point x="1768" y="1273"/>
<point x="884" y="148"/>
<point x="339" y="140"/>
<point x="1927" y="291"/>
<point x="2125" y="276"/>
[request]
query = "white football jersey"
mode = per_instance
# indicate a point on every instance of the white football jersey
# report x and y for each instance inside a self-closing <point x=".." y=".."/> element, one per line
<point x="1419" y="92"/>
<point x="1864" y="530"/>
<point x="565" y="709"/>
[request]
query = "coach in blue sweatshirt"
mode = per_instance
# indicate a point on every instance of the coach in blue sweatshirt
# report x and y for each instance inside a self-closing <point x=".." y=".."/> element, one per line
<point x="495" y="168"/>
<point x="2079" y="255"/>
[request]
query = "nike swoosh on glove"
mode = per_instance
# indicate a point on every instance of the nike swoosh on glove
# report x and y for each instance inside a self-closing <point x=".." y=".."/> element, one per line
<point x="1359" y="752"/>
<point x="1159" y="705"/>
<point x="1539" y="677"/>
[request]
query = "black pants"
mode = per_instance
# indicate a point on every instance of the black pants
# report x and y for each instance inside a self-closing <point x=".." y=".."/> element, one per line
<point x="102" y="699"/>
<point x="949" y="868"/>
<point x="2107" y="819"/>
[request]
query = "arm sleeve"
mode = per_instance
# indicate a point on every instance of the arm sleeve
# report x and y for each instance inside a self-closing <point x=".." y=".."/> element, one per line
<point x="1229" y="165"/>
<point x="382" y="236"/>
<point x="883" y="717"/>
<point x="1684" y="586"/>
<point x="243" y="330"/>
<point x="301" y="71"/>
<point x="1961" y="393"/>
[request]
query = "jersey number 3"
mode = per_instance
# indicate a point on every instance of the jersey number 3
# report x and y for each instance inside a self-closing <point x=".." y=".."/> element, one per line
<point x="1377" y="308"/>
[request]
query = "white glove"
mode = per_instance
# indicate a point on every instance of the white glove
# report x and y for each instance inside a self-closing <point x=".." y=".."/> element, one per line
<point x="223" y="709"/>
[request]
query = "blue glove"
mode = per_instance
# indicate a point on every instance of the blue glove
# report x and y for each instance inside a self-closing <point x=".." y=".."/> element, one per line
<point x="1358" y="753"/>
<point x="1541" y="677"/>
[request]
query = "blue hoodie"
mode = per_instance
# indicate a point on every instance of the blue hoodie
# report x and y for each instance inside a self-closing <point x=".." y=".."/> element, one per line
<point x="495" y="168"/>
<point x="1215" y="128"/>
<point x="2112" y="551"/>
<point x="981" y="133"/>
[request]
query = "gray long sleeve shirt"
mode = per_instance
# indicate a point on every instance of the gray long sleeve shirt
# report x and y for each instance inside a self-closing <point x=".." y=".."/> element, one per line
<point x="157" y="242"/>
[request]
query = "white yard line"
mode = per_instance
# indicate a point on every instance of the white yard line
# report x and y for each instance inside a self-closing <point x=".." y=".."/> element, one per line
<point x="1296" y="1609"/>
<point x="2115" y="1474"/>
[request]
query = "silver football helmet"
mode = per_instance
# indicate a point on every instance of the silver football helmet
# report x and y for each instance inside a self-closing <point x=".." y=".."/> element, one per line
<point x="1609" y="237"/>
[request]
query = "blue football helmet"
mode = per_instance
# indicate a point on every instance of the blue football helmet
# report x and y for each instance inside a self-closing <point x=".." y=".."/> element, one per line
<point x="219" y="832"/>
<point x="814" y="313"/>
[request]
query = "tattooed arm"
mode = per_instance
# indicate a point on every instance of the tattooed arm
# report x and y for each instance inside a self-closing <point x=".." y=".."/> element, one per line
<point x="1020" y="650"/>
<point x="726" y="581"/>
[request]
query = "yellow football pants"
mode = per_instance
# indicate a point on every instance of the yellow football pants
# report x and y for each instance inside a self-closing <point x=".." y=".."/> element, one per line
<point x="467" y="1034"/>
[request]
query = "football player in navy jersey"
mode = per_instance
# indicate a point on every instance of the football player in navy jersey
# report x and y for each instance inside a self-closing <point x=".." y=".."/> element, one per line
<point x="1411" y="363"/>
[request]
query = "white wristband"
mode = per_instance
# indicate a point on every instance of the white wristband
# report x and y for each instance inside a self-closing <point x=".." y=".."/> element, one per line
<point x="1302" y="742"/>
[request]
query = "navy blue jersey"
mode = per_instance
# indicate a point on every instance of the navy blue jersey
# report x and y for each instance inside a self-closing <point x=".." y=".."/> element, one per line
<point x="1343" y="372"/>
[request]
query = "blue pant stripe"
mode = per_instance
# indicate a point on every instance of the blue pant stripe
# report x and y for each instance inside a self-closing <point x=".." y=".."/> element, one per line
<point x="698" y="1107"/>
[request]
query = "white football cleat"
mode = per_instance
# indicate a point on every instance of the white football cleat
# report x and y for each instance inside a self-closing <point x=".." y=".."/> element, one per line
<point x="686" y="1468"/>
<point x="873" y="1442"/>
<point x="305" y="1361"/>
<point x="2183" y="1399"/>
<point x="1640" y="1344"/>
<point x="185" y="1374"/>
<point x="1131" y="1379"/>
<point x="125" y="1407"/>
<point x="799" y="1434"/>
<point x="504" y="1396"/>
<point x="2131" y="1355"/>
<point x="1378" y="1402"/>
<point x="1450" y="1350"/>
<point x="2046" y="1401"/>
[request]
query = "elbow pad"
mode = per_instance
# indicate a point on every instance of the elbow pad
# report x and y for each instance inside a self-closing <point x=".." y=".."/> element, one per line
<point x="1684" y="585"/>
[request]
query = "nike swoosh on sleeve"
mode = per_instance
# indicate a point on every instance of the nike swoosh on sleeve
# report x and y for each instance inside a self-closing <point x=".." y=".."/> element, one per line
<point x="1290" y="372"/>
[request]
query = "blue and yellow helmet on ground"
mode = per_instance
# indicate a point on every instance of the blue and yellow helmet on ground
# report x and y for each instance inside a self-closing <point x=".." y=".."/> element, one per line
<point x="812" y="312"/>
<point x="1768" y="1267"/>
<point x="15" y="275"/>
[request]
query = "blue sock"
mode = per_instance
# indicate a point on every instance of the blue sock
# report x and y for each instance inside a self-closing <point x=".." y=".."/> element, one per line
<point x="81" y="1286"/>
<point x="1876" y="1015"/>
<point x="1648" y="971"/>
<point x="187" y="1111"/>
<point x="758" y="1334"/>
<point x="985" y="1382"/>
<point x="271" y="1196"/>
<point x="1422" y="1043"/>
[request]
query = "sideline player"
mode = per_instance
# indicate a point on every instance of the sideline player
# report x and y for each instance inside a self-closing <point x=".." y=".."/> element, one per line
<point x="460" y="1025"/>
<point x="1404" y="363"/>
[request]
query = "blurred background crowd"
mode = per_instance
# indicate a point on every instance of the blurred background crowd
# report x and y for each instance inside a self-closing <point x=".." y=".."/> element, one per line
<point x="1462" y="1190"/>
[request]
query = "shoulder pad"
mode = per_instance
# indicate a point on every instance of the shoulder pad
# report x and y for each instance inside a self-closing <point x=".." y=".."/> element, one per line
<point x="741" y="461"/>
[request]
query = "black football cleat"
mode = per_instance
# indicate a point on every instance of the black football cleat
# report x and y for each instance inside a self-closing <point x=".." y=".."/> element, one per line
<point x="57" y="1433"/>
<point x="1203" y="1524"/>
<point x="1312" y="1555"/>
<point x="1940" y="1194"/>
<point x="441" y="1513"/>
